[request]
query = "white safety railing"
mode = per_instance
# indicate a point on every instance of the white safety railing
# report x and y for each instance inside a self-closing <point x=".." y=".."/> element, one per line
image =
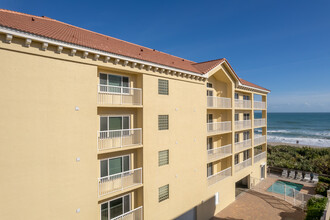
<point x="259" y="105"/>
<point x="259" y="140"/>
<point x="281" y="191"/>
<point x="242" y="165"/>
<point x="244" y="124"/>
<point x="119" y="181"/>
<point x="219" y="176"/>
<point x="242" y="103"/>
<point x="119" y="138"/>
<point x="218" y="102"/>
<point x="116" y="95"/>
<point x="259" y="157"/>
<point x="219" y="127"/>
<point x="243" y="145"/>
<point x="135" y="214"/>
<point x="218" y="153"/>
<point x="259" y="122"/>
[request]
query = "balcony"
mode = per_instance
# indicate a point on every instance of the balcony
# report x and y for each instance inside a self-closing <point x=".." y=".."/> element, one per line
<point x="218" y="102"/>
<point x="219" y="153"/>
<point x="260" y="122"/>
<point x="116" y="95"/>
<point x="218" y="127"/>
<point x="259" y="105"/>
<point x="219" y="176"/>
<point x="135" y="214"/>
<point x="242" y="103"/>
<point x="242" y="165"/>
<point x="112" y="139"/>
<point x="244" y="124"/>
<point x="260" y="156"/>
<point x="259" y="140"/>
<point x="243" y="145"/>
<point x="119" y="181"/>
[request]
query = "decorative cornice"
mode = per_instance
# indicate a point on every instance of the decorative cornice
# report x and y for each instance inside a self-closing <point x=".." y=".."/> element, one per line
<point x="96" y="53"/>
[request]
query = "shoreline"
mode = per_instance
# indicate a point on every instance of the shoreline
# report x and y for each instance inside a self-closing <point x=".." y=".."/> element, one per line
<point x="292" y="145"/>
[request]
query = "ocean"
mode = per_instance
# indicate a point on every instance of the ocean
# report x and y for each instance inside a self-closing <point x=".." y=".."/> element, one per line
<point x="307" y="128"/>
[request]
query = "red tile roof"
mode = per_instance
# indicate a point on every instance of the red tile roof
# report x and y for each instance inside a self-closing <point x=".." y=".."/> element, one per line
<point x="53" y="29"/>
<point x="246" y="83"/>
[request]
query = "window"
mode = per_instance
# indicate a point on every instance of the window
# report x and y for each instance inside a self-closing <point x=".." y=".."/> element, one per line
<point x="210" y="143"/>
<point x="236" y="137"/>
<point x="209" y="93"/>
<point x="236" y="96"/>
<point x="114" y="83"/>
<point x="246" y="154"/>
<point x="209" y="118"/>
<point x="162" y="122"/>
<point x="246" y="135"/>
<point x="162" y="87"/>
<point x="114" y="165"/>
<point x="236" y="159"/>
<point x="209" y="85"/>
<point x="236" y="117"/>
<point x="246" y="116"/>
<point x="209" y="169"/>
<point x="246" y="97"/>
<point x="114" y="123"/>
<point x="163" y="193"/>
<point x="115" y="207"/>
<point x="163" y="157"/>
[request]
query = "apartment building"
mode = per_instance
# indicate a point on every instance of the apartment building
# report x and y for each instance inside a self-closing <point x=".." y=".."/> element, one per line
<point x="98" y="128"/>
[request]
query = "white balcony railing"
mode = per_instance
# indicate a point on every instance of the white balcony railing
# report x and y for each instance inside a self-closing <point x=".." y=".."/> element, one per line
<point x="219" y="127"/>
<point x="218" y="102"/>
<point x="119" y="181"/>
<point x="244" y="124"/>
<point x="119" y="138"/>
<point x="259" y="140"/>
<point x="260" y="156"/>
<point x="116" y="95"/>
<point x="259" y="105"/>
<point x="243" y="145"/>
<point x="242" y="103"/>
<point x="259" y="122"/>
<point x="218" y="153"/>
<point x="135" y="214"/>
<point x="242" y="165"/>
<point x="219" y="176"/>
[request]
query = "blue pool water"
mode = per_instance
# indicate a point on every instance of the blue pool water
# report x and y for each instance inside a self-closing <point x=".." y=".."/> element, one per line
<point x="283" y="187"/>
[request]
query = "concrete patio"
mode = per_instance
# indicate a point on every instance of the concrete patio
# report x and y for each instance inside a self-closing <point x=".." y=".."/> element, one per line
<point x="257" y="206"/>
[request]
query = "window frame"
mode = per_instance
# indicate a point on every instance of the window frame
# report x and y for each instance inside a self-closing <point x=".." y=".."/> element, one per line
<point x="236" y="159"/>
<point x="122" y="161"/>
<point x="236" y="137"/>
<point x="209" y="85"/>
<point x="236" y="114"/>
<point x="209" y="165"/>
<point x="168" y="158"/>
<point x="168" y="123"/>
<point x="116" y="116"/>
<point x="246" y="116"/>
<point x="130" y="205"/>
<point x="121" y="82"/>
<point x="168" y="86"/>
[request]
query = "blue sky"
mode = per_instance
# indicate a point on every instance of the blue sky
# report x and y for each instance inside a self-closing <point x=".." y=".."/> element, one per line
<point x="281" y="45"/>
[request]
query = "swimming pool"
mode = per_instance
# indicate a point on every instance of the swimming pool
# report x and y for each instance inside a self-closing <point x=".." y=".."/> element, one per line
<point x="284" y="187"/>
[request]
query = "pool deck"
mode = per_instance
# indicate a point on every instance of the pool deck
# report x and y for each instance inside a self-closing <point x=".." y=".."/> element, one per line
<point x="264" y="205"/>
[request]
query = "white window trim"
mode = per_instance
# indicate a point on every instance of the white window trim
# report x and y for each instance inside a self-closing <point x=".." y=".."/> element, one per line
<point x="114" y="74"/>
<point x="109" y="158"/>
<point x="130" y="204"/>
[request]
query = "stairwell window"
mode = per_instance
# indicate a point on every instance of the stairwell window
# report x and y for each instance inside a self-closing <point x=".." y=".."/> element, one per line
<point x="163" y="157"/>
<point x="114" y="84"/>
<point x="163" y="193"/>
<point x="163" y="87"/>
<point x="162" y="122"/>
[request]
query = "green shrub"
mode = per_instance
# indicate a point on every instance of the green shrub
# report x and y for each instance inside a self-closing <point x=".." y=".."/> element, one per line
<point x="324" y="179"/>
<point x="315" y="208"/>
<point x="321" y="188"/>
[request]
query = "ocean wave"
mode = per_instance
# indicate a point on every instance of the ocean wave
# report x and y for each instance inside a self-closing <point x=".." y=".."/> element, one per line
<point x="302" y="140"/>
<point x="312" y="133"/>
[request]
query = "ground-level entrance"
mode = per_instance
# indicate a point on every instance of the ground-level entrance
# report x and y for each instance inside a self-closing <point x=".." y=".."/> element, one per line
<point x="242" y="185"/>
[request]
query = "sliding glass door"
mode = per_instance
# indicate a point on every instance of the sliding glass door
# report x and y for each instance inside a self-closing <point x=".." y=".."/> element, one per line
<point x="116" y="207"/>
<point x="114" y="83"/>
<point x="115" y="165"/>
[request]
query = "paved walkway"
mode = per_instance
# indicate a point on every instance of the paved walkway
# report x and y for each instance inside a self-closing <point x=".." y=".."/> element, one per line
<point x="257" y="206"/>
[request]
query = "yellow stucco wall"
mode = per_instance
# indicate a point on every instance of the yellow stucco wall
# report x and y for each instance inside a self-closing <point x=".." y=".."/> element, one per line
<point x="43" y="134"/>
